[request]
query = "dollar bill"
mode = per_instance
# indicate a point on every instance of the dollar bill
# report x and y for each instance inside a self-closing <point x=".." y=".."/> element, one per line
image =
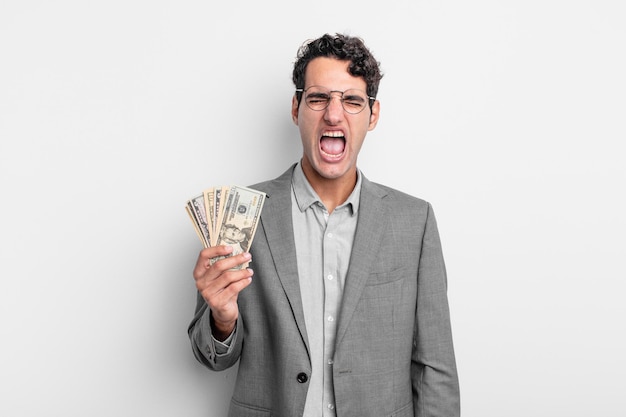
<point x="196" y="227"/>
<point x="197" y="211"/>
<point x="209" y="204"/>
<point x="241" y="213"/>
<point x="221" y="195"/>
<point x="227" y="215"/>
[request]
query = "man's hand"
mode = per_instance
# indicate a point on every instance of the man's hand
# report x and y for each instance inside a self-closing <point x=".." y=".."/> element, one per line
<point x="220" y="286"/>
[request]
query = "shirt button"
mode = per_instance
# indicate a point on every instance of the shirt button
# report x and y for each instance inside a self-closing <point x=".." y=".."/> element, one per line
<point x="330" y="277"/>
<point x="330" y="235"/>
<point x="302" y="377"/>
<point x="330" y="318"/>
<point x="330" y="362"/>
<point x="331" y="407"/>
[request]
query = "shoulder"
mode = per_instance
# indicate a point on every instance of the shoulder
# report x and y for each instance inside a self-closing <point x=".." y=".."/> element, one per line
<point x="277" y="184"/>
<point x="394" y="196"/>
<point x="398" y="207"/>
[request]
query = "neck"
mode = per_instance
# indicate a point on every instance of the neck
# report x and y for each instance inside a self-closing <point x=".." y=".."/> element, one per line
<point x="332" y="191"/>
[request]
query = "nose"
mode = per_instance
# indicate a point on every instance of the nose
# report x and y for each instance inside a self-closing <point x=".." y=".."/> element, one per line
<point x="334" y="111"/>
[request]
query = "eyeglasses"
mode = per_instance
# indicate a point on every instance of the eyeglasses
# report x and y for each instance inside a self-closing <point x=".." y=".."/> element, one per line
<point x="353" y="100"/>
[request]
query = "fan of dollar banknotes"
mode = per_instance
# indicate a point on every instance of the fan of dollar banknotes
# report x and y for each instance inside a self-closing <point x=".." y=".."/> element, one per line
<point x="226" y="215"/>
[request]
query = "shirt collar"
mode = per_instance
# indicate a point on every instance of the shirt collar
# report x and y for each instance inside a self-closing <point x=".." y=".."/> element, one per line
<point x="306" y="195"/>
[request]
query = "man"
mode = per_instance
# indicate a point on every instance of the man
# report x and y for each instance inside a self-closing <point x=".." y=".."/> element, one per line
<point x="346" y="313"/>
<point x="234" y="237"/>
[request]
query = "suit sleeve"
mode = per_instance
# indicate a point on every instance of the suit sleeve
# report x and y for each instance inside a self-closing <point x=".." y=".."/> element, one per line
<point x="205" y="347"/>
<point x="433" y="367"/>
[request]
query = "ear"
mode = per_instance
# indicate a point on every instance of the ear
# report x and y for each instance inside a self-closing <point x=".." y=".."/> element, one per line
<point x="294" y="109"/>
<point x="375" y="115"/>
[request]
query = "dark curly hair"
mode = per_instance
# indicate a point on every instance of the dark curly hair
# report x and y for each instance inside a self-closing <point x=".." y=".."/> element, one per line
<point x="345" y="48"/>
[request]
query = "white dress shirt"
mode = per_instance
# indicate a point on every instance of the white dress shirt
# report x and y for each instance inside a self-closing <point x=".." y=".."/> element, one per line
<point x="323" y="247"/>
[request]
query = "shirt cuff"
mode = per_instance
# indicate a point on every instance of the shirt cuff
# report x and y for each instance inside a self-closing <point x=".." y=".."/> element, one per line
<point x="223" y="347"/>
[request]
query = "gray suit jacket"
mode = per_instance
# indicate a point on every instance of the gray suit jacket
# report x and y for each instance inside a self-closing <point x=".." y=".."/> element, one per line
<point x="394" y="354"/>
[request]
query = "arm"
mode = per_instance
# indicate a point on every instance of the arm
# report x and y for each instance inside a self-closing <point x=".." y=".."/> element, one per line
<point x="217" y="312"/>
<point x="434" y="374"/>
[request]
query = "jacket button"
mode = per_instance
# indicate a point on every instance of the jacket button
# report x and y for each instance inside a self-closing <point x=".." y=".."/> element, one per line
<point x="302" y="377"/>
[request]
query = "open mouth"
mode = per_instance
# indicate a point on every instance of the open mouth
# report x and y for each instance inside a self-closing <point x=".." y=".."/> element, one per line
<point x="333" y="144"/>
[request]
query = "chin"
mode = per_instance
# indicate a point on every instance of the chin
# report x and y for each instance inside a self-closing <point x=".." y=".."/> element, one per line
<point x="333" y="173"/>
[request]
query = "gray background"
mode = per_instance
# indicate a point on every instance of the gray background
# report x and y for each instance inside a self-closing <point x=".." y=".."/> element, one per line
<point x="508" y="116"/>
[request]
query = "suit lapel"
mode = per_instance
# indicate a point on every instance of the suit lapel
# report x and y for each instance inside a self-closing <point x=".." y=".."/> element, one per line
<point x="369" y="231"/>
<point x="278" y="226"/>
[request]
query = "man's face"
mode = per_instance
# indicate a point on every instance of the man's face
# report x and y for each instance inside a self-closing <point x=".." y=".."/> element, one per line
<point x="332" y="138"/>
<point x="232" y="234"/>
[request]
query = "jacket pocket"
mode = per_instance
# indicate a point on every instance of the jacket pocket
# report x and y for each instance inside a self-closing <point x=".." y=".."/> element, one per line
<point x="384" y="277"/>
<point x="238" y="409"/>
<point x="406" y="411"/>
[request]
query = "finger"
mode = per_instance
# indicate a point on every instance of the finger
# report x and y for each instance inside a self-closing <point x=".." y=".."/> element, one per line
<point x="237" y="286"/>
<point x="214" y="271"/>
<point x="213" y="251"/>
<point x="225" y="289"/>
<point x="223" y="273"/>
<point x="231" y="262"/>
<point x="205" y="256"/>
